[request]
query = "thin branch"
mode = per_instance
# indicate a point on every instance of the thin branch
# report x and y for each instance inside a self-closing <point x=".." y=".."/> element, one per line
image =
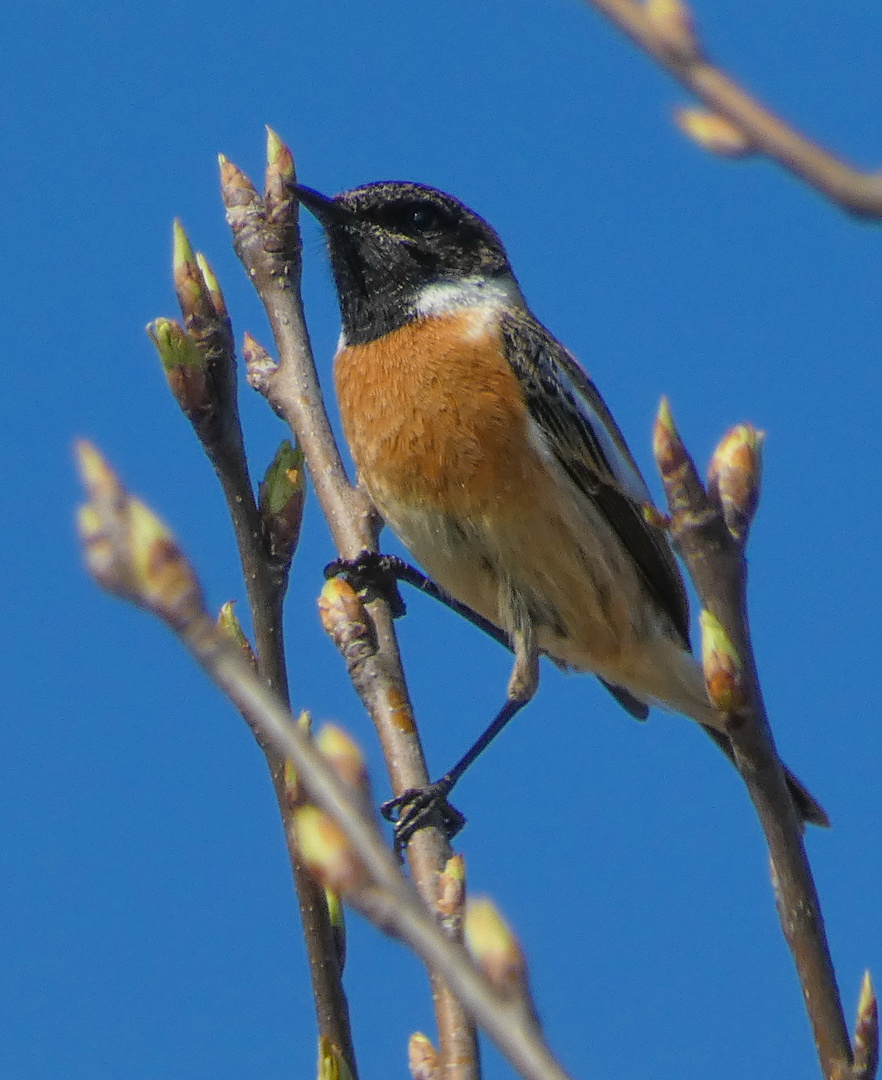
<point x="130" y="553"/>
<point x="391" y="902"/>
<point x="215" y="419"/>
<point x="267" y="240"/>
<point x="857" y="192"/>
<point x="709" y="531"/>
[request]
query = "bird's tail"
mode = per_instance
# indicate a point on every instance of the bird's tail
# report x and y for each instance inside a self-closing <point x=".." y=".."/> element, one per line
<point x="680" y="687"/>
<point x="807" y="807"/>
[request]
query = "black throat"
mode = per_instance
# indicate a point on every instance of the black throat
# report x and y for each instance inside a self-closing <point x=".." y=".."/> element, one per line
<point x="389" y="241"/>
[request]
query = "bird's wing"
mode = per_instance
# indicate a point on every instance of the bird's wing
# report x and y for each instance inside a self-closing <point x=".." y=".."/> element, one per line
<point x="581" y="434"/>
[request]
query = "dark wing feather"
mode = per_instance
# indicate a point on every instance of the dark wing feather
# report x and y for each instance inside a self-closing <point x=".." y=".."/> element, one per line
<point x="585" y="439"/>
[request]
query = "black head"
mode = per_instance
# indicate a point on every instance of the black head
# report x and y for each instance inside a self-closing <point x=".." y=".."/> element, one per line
<point x="388" y="241"/>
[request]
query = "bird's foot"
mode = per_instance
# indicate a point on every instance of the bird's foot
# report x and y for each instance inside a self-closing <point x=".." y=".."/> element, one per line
<point x="373" y="574"/>
<point x="419" y="808"/>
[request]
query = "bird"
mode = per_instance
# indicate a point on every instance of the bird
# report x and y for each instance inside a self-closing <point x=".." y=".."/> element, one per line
<point x="490" y="453"/>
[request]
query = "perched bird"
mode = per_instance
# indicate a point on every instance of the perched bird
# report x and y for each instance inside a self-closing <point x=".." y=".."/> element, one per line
<point x="490" y="453"/>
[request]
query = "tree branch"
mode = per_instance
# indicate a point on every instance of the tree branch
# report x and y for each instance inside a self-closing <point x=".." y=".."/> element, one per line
<point x="267" y="240"/>
<point x="709" y="530"/>
<point x="130" y="553"/>
<point x="663" y="31"/>
<point x="205" y="387"/>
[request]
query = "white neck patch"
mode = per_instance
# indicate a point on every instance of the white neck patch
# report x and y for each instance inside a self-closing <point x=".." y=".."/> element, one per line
<point x="444" y="297"/>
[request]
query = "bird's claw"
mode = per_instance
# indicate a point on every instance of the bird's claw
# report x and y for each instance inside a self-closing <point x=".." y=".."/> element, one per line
<point x="373" y="574"/>
<point x="419" y="808"/>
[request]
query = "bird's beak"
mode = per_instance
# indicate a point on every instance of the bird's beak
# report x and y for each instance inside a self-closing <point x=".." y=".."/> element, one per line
<point x="326" y="209"/>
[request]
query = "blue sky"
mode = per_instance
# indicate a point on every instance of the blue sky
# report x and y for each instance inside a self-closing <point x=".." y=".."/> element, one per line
<point x="148" y="923"/>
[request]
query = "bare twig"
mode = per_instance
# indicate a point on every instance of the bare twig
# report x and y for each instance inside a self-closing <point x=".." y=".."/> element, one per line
<point x="130" y="553"/>
<point x="391" y="903"/>
<point x="709" y="530"/>
<point x="214" y="415"/>
<point x="855" y="191"/>
<point x="267" y="240"/>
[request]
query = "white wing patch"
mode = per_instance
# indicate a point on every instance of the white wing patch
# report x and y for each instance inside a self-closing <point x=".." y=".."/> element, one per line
<point x="625" y="474"/>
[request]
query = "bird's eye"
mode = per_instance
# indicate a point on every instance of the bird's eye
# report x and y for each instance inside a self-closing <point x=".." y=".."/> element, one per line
<point x="415" y="218"/>
<point x="423" y="218"/>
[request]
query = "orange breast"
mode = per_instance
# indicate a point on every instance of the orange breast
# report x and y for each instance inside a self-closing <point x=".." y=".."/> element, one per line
<point x="434" y="415"/>
<point x="440" y="433"/>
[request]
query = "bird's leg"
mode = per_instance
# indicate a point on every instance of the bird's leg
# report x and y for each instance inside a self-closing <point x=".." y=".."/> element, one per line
<point x="419" y="807"/>
<point x="381" y="573"/>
